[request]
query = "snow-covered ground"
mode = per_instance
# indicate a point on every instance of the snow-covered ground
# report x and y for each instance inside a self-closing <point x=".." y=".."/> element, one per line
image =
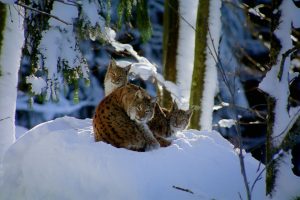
<point x="60" y="160"/>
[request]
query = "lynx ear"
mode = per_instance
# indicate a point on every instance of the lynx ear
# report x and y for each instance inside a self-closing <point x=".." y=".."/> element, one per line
<point x="113" y="63"/>
<point x="138" y="94"/>
<point x="174" y="106"/>
<point x="127" y="68"/>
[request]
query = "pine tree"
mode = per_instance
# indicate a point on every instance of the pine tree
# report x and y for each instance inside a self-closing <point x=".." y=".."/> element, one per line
<point x="170" y="45"/>
<point x="199" y="61"/>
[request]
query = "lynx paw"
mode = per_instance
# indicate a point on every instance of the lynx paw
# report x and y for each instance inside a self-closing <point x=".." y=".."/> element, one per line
<point x="153" y="145"/>
<point x="162" y="141"/>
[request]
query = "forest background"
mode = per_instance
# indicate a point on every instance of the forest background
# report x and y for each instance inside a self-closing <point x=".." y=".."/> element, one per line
<point x="240" y="65"/>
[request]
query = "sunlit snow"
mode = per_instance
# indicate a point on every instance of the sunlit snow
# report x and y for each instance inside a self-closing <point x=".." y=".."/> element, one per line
<point x="60" y="160"/>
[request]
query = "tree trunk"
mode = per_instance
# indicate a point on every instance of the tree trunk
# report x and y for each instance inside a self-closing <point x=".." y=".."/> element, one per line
<point x="11" y="42"/>
<point x="170" y="44"/>
<point x="199" y="61"/>
<point x="270" y="167"/>
<point x="271" y="102"/>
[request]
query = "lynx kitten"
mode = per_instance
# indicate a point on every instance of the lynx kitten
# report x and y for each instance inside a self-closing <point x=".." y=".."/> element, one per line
<point x="166" y="123"/>
<point x="121" y="119"/>
<point x="115" y="77"/>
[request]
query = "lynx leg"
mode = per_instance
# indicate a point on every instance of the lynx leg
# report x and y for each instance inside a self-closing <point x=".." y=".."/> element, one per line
<point x="162" y="141"/>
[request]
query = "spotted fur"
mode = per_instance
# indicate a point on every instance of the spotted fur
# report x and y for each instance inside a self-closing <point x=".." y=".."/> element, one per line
<point x="166" y="123"/>
<point x="121" y="119"/>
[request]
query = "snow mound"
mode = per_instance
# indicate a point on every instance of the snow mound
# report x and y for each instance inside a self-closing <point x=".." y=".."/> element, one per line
<point x="60" y="160"/>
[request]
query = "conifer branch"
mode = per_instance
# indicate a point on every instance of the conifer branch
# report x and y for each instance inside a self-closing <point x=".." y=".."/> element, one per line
<point x="42" y="12"/>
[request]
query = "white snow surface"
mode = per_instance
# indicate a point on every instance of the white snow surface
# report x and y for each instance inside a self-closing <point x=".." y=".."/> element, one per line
<point x="20" y="131"/>
<point x="91" y="12"/>
<point x="287" y="184"/>
<point x="60" y="160"/>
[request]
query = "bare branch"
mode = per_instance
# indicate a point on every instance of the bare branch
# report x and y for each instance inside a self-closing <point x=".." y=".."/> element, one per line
<point x="42" y="12"/>
<point x="4" y="119"/>
<point x="214" y="54"/>
<point x="257" y="178"/>
<point x="264" y="169"/>
<point x="284" y="56"/>
<point x="183" y="189"/>
<point x="289" y="126"/>
<point x="67" y="3"/>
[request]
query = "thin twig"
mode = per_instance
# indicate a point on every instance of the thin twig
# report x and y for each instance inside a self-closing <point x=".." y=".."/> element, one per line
<point x="258" y="65"/>
<point x="67" y="3"/>
<point x="214" y="54"/>
<point x="288" y="127"/>
<point x="42" y="12"/>
<point x="183" y="18"/>
<point x="284" y="56"/>
<point x="257" y="178"/>
<point x="264" y="169"/>
<point x="4" y="118"/>
<point x="237" y="127"/>
<point x="183" y="189"/>
<point x="240" y="196"/>
<point x="260" y="114"/>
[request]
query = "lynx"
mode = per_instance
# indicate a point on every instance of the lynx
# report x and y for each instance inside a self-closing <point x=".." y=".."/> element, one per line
<point x="121" y="119"/>
<point x="115" y="77"/>
<point x="167" y="122"/>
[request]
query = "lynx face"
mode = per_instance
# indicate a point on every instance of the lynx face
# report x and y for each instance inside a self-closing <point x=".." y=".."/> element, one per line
<point x="115" y="77"/>
<point x="179" y="119"/>
<point x="142" y="108"/>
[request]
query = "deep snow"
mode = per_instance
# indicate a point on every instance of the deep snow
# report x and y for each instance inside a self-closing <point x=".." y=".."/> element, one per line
<point x="60" y="160"/>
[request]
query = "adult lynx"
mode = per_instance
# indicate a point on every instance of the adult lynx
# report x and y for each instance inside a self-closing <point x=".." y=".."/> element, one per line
<point x="115" y="77"/>
<point x="121" y="119"/>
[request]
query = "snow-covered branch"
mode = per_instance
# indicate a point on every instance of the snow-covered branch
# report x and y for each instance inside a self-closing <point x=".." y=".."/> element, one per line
<point x="42" y="12"/>
<point x="276" y="82"/>
<point x="145" y="70"/>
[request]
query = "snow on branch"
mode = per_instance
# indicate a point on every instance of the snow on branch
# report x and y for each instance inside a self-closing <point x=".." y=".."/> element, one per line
<point x="59" y="53"/>
<point x="37" y="84"/>
<point x="144" y="69"/>
<point x="39" y="11"/>
<point x="276" y="82"/>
